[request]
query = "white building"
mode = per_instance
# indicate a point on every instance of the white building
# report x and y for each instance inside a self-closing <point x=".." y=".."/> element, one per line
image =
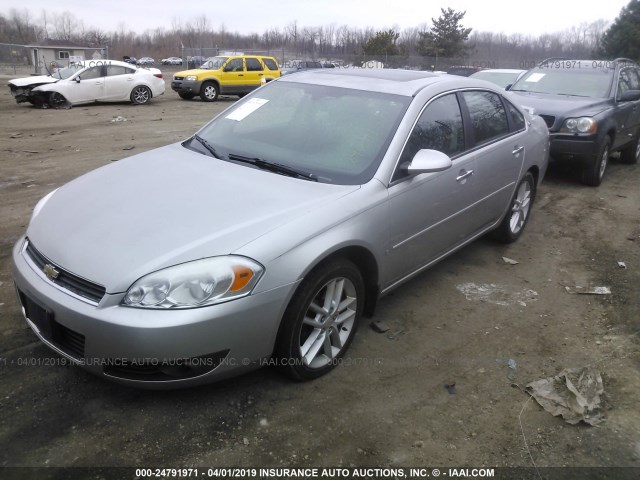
<point x="61" y="53"/>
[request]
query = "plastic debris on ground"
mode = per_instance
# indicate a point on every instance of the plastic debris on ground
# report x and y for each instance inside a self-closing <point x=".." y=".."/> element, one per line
<point x="573" y="393"/>
<point x="510" y="261"/>
<point x="589" y="290"/>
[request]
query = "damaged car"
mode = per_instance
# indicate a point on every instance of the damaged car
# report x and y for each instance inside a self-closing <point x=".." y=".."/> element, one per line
<point x="88" y="82"/>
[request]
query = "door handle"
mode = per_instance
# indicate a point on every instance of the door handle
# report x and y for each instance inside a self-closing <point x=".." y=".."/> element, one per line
<point x="517" y="150"/>
<point x="260" y="74"/>
<point x="462" y="176"/>
<point x="241" y="74"/>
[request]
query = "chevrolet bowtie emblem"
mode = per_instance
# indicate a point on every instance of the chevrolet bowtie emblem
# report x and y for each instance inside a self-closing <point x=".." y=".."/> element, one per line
<point x="50" y="271"/>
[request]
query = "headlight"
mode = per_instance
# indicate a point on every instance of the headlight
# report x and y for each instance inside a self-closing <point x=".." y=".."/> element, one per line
<point x="579" y="125"/>
<point x="190" y="78"/>
<point x="195" y="284"/>
<point x="41" y="203"/>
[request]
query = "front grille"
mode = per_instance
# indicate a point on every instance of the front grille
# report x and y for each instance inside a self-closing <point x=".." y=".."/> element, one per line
<point x="549" y="120"/>
<point x="178" y="78"/>
<point x="67" y="280"/>
<point x="67" y="340"/>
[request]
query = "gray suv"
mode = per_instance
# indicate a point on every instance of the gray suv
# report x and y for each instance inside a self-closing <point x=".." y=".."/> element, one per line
<point x="592" y="109"/>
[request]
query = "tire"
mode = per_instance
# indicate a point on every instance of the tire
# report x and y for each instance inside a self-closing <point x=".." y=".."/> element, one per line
<point x="519" y="211"/>
<point x="307" y="347"/>
<point x="631" y="154"/>
<point x="140" y="95"/>
<point x="209" y="92"/>
<point x="592" y="174"/>
<point x="186" y="96"/>
<point x="57" y="100"/>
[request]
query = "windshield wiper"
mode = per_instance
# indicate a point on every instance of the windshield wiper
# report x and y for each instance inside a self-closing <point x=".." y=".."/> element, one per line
<point x="207" y="145"/>
<point x="274" y="167"/>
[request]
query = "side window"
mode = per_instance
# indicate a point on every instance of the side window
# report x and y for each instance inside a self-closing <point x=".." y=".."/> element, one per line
<point x="438" y="128"/>
<point x="235" y="65"/>
<point x="93" y="72"/>
<point x="113" y="70"/>
<point x="271" y="65"/>
<point x="517" y="119"/>
<point x="253" y="65"/>
<point x="488" y="117"/>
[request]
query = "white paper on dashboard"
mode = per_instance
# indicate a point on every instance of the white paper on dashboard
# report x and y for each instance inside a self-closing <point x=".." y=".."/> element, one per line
<point x="247" y="109"/>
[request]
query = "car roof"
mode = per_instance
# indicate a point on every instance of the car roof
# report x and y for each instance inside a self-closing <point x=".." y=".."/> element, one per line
<point x="399" y="82"/>
<point x="500" y="70"/>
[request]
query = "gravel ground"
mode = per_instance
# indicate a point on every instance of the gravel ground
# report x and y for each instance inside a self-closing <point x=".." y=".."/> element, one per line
<point x="461" y="322"/>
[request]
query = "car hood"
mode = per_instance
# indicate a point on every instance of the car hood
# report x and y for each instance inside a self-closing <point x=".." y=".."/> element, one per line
<point x="39" y="79"/>
<point x="560" y="105"/>
<point x="165" y="207"/>
<point x="195" y="71"/>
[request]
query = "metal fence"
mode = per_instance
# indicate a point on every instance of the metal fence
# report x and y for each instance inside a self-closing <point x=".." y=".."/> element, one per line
<point x="12" y="54"/>
<point x="286" y="58"/>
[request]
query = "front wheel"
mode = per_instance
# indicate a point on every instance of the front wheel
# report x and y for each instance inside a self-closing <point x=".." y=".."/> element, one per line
<point x="57" y="100"/>
<point x="140" y="95"/>
<point x="593" y="173"/>
<point x="516" y="218"/>
<point x="321" y="320"/>
<point x="209" y="92"/>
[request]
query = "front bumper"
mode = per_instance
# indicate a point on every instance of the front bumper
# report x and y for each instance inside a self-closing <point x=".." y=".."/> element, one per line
<point x="150" y="348"/>
<point x="184" y="86"/>
<point x="564" y="147"/>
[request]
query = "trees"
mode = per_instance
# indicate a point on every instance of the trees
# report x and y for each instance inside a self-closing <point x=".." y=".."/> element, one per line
<point x="384" y="48"/>
<point x="446" y="38"/>
<point x="622" y="39"/>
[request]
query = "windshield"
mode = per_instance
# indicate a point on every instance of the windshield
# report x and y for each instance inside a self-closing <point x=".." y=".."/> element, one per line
<point x="502" y="79"/>
<point x="579" y="82"/>
<point x="213" y="63"/>
<point x="337" y="135"/>
<point x="64" y="73"/>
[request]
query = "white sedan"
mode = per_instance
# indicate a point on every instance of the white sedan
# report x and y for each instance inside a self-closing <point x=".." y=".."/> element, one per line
<point x="90" y="81"/>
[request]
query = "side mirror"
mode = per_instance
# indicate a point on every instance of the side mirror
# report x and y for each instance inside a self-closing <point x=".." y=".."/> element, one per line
<point x="429" y="161"/>
<point x="78" y="79"/>
<point x="630" y="96"/>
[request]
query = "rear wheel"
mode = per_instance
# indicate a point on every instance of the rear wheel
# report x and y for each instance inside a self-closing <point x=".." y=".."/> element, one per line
<point x="592" y="174"/>
<point x="631" y="154"/>
<point x="209" y="92"/>
<point x="186" y="96"/>
<point x="321" y="320"/>
<point x="516" y="218"/>
<point x="140" y="95"/>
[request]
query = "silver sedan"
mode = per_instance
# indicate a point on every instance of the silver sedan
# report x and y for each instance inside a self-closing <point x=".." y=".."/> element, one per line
<point x="265" y="237"/>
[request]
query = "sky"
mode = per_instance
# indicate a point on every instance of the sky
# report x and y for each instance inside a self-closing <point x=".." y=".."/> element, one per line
<point x="247" y="16"/>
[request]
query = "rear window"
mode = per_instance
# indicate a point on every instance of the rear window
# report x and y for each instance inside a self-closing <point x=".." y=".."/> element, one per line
<point x="270" y="64"/>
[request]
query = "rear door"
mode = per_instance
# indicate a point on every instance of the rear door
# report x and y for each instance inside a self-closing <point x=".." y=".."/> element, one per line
<point x="254" y="73"/>
<point x="119" y="82"/>
<point x="496" y="135"/>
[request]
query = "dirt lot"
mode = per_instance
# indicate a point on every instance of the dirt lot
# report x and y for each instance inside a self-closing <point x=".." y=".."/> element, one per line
<point x="389" y="407"/>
